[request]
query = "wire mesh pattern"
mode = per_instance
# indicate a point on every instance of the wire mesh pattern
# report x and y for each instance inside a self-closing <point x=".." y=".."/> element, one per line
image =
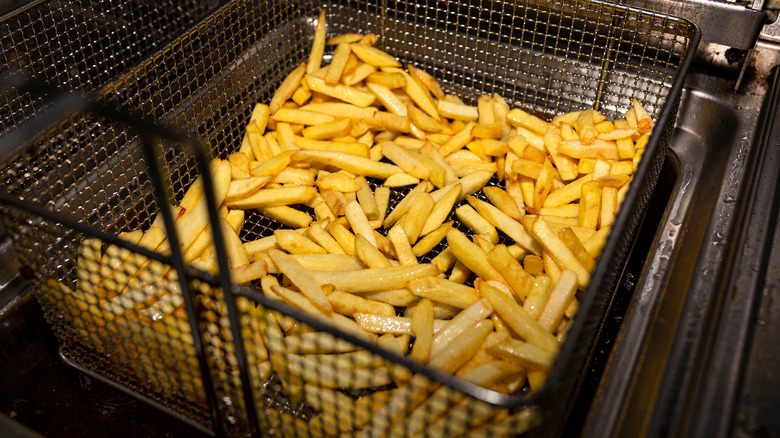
<point x="86" y="44"/>
<point x="306" y="379"/>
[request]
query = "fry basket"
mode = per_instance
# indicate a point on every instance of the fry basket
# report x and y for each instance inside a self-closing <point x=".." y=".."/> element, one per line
<point x="77" y="171"/>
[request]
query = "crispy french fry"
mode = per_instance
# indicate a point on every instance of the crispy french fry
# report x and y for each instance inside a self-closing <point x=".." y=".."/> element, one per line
<point x="301" y="278"/>
<point x="318" y="46"/>
<point x="368" y="280"/>
<point x="296" y="243"/>
<point x="560" y="253"/>
<point x="518" y="319"/>
<point x="287" y="88"/>
<point x="287" y="216"/>
<point x="471" y="255"/>
<point x="538" y="295"/>
<point x="561" y="297"/>
<point x="444" y="291"/>
<point x="348" y="162"/>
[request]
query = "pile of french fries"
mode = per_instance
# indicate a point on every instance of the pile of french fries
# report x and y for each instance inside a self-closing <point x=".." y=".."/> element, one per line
<point x="325" y="159"/>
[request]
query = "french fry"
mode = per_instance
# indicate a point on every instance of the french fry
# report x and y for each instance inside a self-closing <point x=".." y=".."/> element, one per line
<point x="457" y="111"/>
<point x="296" y="243"/>
<point x="457" y="141"/>
<point x="348" y="162"/>
<point x="348" y="304"/>
<point x="324" y="262"/>
<point x="369" y="254"/>
<point x="463" y="321"/>
<point x="524" y="354"/>
<point x="503" y="201"/>
<point x="368" y="280"/>
<point x="337" y="64"/>
<point x="520" y="118"/>
<point x="343" y="236"/>
<point x="422" y="329"/>
<point x="318" y="46"/>
<point x="444" y="291"/>
<point x="414" y="221"/>
<point x="538" y="295"/>
<point x="339" y="182"/>
<point x="327" y="131"/>
<point x="441" y="210"/>
<point x="396" y="325"/>
<point x="572" y="242"/>
<point x="512" y="271"/>
<point x="373" y="56"/>
<point x="471" y="255"/>
<point x="560" y="253"/>
<point x="287" y="88"/>
<point x="405" y="160"/>
<point x="561" y="297"/>
<point x="431" y="240"/>
<point x="468" y="216"/>
<point x="359" y="222"/>
<point x="344" y="93"/>
<point x="518" y="319"/>
<point x="274" y="198"/>
<point x="503" y="222"/>
<point x="403" y="249"/>
<point x="301" y="117"/>
<point x="301" y="278"/>
<point x="287" y="216"/>
<point x="590" y="205"/>
<point x="389" y="80"/>
<point x="388" y="99"/>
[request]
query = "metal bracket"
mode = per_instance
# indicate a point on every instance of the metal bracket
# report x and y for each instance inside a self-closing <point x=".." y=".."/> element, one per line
<point x="724" y="23"/>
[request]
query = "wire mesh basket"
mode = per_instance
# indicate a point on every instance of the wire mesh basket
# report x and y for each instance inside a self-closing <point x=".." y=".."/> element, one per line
<point x="230" y="359"/>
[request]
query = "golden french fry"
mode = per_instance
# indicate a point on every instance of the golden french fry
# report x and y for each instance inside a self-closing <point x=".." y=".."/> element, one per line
<point x="318" y="46"/>
<point x="503" y="222"/>
<point x="463" y="321"/>
<point x="369" y="254"/>
<point x="287" y="88"/>
<point x="568" y="193"/>
<point x="431" y="240"/>
<point x="471" y="255"/>
<point x="441" y="210"/>
<point x="590" y="205"/>
<point x="426" y="80"/>
<point x="571" y="241"/>
<point x="561" y="297"/>
<point x="415" y="220"/>
<point x="559" y="251"/>
<point x="337" y="64"/>
<point x="518" y="319"/>
<point x="457" y="111"/>
<point x="348" y="162"/>
<point x="339" y="182"/>
<point x="418" y="94"/>
<point x="301" y="278"/>
<point x="422" y="329"/>
<point x="368" y="280"/>
<point x="296" y="243"/>
<point x="274" y="198"/>
<point x="403" y="249"/>
<point x="388" y="99"/>
<point x="389" y="80"/>
<point x="343" y="236"/>
<point x="538" y="295"/>
<point x="476" y="223"/>
<point x="327" y="131"/>
<point x="395" y="325"/>
<point x="301" y="117"/>
<point x="373" y="56"/>
<point x="359" y="222"/>
<point x="512" y="271"/>
<point x="520" y="118"/>
<point x="444" y="291"/>
<point x="503" y="201"/>
<point x="405" y="160"/>
<point x="324" y="262"/>
<point x="344" y="93"/>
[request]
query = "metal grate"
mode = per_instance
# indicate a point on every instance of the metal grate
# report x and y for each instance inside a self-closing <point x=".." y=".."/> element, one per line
<point x="544" y="56"/>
